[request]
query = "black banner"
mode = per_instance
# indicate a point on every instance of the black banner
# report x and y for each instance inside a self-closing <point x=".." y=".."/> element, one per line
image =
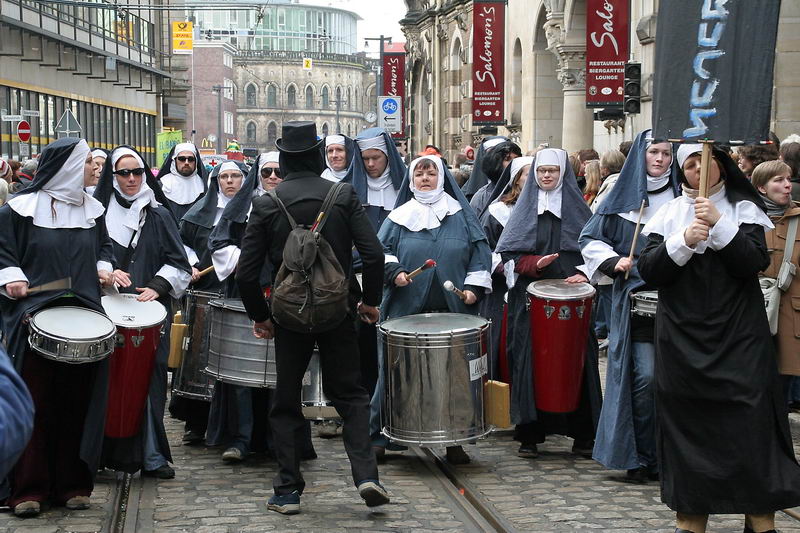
<point x="713" y="69"/>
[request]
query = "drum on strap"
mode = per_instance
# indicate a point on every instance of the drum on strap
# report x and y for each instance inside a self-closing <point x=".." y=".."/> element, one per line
<point x="315" y="405"/>
<point x="71" y="334"/>
<point x="235" y="356"/>
<point x="560" y="314"/>
<point x="644" y="303"/>
<point x="140" y="326"/>
<point x="435" y="367"/>
<point x="191" y="380"/>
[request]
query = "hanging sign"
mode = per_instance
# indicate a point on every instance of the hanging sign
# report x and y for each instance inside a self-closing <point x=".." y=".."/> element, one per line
<point x="488" y="72"/>
<point x="394" y="79"/>
<point x="182" y="37"/>
<point x="606" y="51"/>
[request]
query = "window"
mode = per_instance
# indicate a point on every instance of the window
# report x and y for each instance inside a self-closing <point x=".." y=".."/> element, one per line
<point x="228" y="123"/>
<point x="229" y="89"/>
<point x="272" y="96"/>
<point x="227" y="60"/>
<point x="291" y="96"/>
<point x="326" y="98"/>
<point x="251" y="132"/>
<point x="272" y="134"/>
<point x="309" y="97"/>
<point x="250" y="95"/>
<point x="349" y="101"/>
<point x="325" y="129"/>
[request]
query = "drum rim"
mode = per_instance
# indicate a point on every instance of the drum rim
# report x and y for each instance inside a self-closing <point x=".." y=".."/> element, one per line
<point x="591" y="291"/>
<point x="219" y="303"/>
<point x="132" y="297"/>
<point x="38" y="329"/>
<point x="453" y="332"/>
<point x="205" y="294"/>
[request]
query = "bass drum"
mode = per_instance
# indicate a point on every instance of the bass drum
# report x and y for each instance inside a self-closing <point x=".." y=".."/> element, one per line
<point x="191" y="381"/>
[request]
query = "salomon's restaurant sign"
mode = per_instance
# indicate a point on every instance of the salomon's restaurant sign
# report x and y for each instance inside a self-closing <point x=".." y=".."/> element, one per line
<point x="488" y="73"/>
<point x="606" y="51"/>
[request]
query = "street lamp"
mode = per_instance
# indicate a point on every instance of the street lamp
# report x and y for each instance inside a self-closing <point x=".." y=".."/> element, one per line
<point x="379" y="76"/>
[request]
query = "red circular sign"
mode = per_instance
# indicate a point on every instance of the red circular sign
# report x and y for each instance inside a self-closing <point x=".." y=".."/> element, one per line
<point x="24" y="131"/>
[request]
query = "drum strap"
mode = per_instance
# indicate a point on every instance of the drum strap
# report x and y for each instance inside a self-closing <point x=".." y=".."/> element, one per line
<point x="126" y="259"/>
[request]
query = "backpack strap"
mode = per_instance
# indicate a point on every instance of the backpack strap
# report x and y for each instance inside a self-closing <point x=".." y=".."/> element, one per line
<point x="281" y="205"/>
<point x="330" y="199"/>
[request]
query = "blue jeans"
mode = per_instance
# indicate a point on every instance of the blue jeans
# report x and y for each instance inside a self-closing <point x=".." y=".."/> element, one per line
<point x="602" y="313"/>
<point x="241" y="430"/>
<point x="153" y="459"/>
<point x="643" y="400"/>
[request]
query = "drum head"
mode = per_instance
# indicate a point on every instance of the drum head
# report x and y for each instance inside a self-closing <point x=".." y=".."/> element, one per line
<point x="558" y="289"/>
<point x="76" y="323"/>
<point x="234" y="304"/>
<point x="127" y="312"/>
<point x="649" y="296"/>
<point x="434" y="323"/>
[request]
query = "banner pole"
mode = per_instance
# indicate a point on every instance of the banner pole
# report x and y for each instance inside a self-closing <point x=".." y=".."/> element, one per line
<point x="705" y="161"/>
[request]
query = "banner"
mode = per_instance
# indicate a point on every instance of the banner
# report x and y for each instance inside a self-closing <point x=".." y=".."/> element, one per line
<point x="394" y="79"/>
<point x="713" y="70"/>
<point x="164" y="143"/>
<point x="488" y="72"/>
<point x="182" y="37"/>
<point x="607" y="23"/>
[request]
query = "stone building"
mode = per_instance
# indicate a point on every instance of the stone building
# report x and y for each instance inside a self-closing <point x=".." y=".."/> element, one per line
<point x="545" y="60"/>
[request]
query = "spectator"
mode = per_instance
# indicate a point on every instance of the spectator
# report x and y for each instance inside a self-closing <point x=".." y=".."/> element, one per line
<point x="610" y="166"/>
<point x="584" y="156"/>
<point x="27" y="171"/>
<point x="593" y="181"/>
<point x="752" y="155"/>
<point x="625" y="147"/>
<point x="790" y="154"/>
<point x="15" y="166"/>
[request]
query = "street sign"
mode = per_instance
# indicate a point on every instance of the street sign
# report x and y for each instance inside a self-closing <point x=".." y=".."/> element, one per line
<point x="390" y="113"/>
<point x="30" y="113"/>
<point x="308" y="63"/>
<point x="24" y="131"/>
<point x="68" y="125"/>
<point x="11" y="118"/>
<point x="24" y="150"/>
<point x="182" y="37"/>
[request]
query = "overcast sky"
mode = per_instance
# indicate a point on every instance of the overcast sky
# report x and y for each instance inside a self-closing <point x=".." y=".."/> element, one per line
<point x="379" y="17"/>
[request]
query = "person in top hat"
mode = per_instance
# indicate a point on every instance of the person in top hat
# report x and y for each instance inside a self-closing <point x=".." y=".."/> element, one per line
<point x="303" y="191"/>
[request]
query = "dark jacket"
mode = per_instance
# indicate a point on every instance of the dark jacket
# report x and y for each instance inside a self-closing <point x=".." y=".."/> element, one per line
<point x="267" y="230"/>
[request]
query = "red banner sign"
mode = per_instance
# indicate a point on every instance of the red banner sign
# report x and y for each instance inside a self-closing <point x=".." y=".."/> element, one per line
<point x="607" y="23"/>
<point x="394" y="77"/>
<point x="488" y="72"/>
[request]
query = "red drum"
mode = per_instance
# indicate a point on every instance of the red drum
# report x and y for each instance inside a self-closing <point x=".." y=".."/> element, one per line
<point x="139" y="329"/>
<point x="560" y="314"/>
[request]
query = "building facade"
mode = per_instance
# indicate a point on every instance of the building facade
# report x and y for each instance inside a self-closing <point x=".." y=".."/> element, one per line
<point x="545" y="66"/>
<point x="104" y="63"/>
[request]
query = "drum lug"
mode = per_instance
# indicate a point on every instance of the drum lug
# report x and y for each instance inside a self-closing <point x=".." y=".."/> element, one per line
<point x="527" y="304"/>
<point x="579" y="311"/>
<point x="549" y="310"/>
<point x="137" y="340"/>
<point x="119" y="340"/>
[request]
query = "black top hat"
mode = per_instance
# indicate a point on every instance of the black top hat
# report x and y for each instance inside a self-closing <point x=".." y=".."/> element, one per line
<point x="298" y="136"/>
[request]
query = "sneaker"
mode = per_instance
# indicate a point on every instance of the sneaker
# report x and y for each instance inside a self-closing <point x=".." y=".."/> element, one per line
<point x="77" y="503"/>
<point x="27" y="509"/>
<point x="232" y="455"/>
<point x="285" y="503"/>
<point x="528" y="450"/>
<point x="162" y="472"/>
<point x="373" y="493"/>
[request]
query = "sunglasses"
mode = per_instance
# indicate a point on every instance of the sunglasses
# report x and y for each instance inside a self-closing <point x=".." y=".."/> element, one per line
<point x="184" y="159"/>
<point x="125" y="172"/>
<point x="267" y="172"/>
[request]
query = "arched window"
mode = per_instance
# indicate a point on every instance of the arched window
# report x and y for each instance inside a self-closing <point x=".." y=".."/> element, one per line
<point x="349" y="101"/>
<point x="251" y="132"/>
<point x="357" y="102"/>
<point x="339" y="97"/>
<point x="250" y="95"/>
<point x="272" y="96"/>
<point x="325" y="129"/>
<point x="272" y="135"/>
<point x="291" y="96"/>
<point x="309" y="97"/>
<point x="349" y="131"/>
<point x="326" y="98"/>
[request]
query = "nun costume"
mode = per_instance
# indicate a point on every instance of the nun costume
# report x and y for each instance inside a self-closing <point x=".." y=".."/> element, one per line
<point x="268" y="177"/>
<point x="344" y="173"/>
<point x="496" y="166"/>
<point x="527" y="246"/>
<point x="626" y="433"/>
<point x="149" y="252"/>
<point x="377" y="195"/>
<point x="433" y="224"/>
<point x="182" y="178"/>
<point x="724" y="444"/>
<point x="478" y="179"/>
<point x="53" y="230"/>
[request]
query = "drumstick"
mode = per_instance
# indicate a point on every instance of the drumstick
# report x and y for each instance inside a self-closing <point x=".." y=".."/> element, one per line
<point x="429" y="263"/>
<point x="635" y="237"/>
<point x="63" y="283"/>
<point x="448" y="286"/>
<point x="316" y="222"/>
<point x="205" y="271"/>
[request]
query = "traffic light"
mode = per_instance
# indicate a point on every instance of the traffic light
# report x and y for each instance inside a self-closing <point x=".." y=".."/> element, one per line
<point x="632" y="102"/>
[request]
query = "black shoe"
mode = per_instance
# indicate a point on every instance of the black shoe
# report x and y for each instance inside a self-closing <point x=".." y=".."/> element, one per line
<point x="528" y="450"/>
<point x="457" y="456"/>
<point x="193" y="437"/>
<point x="751" y="530"/>
<point x="636" y="475"/>
<point x="679" y="530"/>
<point x="583" y="448"/>
<point x="162" y="472"/>
<point x="653" y="476"/>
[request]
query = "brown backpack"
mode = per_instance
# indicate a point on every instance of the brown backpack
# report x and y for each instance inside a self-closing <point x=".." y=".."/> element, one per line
<point x="310" y="291"/>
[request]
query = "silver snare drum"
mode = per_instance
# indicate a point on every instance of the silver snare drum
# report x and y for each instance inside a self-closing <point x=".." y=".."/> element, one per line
<point x="644" y="303"/>
<point x="434" y="367"/>
<point x="72" y="334"/>
<point x="315" y="405"/>
<point x="235" y="356"/>
<point x="191" y="380"/>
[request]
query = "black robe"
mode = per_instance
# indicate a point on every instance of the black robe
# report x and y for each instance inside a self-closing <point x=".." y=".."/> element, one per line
<point x="723" y="437"/>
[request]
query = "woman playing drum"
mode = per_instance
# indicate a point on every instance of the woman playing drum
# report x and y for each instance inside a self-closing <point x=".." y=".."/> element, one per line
<point x="540" y="241"/>
<point x="432" y="221"/>
<point x="50" y="231"/>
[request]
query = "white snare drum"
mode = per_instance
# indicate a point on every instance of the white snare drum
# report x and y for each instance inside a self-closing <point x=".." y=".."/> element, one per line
<point x="72" y="334"/>
<point x="644" y="303"/>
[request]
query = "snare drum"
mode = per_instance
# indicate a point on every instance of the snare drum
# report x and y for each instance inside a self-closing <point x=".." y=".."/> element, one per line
<point x="235" y="356"/>
<point x="140" y="326"/>
<point x="191" y="381"/>
<point x="72" y="334"/>
<point x="644" y="303"/>
<point x="560" y="314"/>
<point x="315" y="405"/>
<point x="435" y="367"/>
